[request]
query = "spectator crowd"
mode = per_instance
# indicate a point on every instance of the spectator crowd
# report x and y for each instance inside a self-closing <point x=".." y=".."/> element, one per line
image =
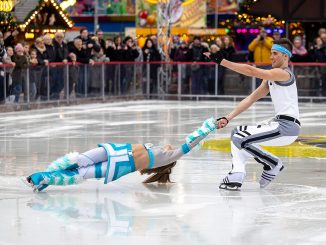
<point x="24" y="66"/>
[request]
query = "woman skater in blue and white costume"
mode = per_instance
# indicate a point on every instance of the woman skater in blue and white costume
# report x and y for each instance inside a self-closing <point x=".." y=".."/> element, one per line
<point x="112" y="161"/>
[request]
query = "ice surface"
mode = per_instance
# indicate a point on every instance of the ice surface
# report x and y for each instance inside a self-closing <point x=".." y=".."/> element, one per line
<point x="192" y="210"/>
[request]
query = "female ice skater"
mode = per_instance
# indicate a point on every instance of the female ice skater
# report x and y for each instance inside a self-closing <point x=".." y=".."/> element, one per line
<point x="112" y="161"/>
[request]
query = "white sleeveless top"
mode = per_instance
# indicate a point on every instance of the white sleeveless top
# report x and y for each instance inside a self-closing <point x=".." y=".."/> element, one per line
<point x="285" y="96"/>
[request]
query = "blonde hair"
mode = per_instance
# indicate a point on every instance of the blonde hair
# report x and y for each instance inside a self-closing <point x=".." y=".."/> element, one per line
<point x="39" y="40"/>
<point x="214" y="46"/>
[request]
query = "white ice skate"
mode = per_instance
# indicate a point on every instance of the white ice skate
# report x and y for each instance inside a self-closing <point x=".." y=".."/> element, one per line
<point x="233" y="181"/>
<point x="268" y="175"/>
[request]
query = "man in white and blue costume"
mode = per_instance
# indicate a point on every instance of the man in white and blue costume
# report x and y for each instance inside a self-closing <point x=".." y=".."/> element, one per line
<point x="112" y="161"/>
<point x="282" y="129"/>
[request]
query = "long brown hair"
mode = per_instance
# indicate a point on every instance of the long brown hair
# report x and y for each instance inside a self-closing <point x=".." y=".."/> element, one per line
<point x="159" y="174"/>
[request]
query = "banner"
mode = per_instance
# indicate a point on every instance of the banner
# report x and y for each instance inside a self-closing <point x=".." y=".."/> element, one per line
<point x="185" y="13"/>
<point x="223" y="6"/>
<point x="105" y="7"/>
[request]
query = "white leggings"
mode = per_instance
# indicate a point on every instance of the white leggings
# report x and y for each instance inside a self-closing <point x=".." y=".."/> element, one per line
<point x="93" y="163"/>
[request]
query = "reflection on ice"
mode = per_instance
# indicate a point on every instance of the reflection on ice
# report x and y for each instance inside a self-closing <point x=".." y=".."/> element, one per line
<point x="190" y="211"/>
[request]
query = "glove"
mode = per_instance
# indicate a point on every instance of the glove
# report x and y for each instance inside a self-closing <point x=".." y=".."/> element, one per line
<point x="217" y="57"/>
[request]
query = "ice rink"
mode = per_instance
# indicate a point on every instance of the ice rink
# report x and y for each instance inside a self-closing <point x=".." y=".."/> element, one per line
<point x="192" y="210"/>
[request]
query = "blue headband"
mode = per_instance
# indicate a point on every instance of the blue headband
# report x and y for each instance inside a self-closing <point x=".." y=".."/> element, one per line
<point x="281" y="49"/>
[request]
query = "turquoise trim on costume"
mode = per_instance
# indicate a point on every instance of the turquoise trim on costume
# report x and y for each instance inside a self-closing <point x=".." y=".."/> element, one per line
<point x="151" y="158"/>
<point x="68" y="161"/>
<point x="74" y="166"/>
<point x="118" y="147"/>
<point x="121" y="167"/>
<point x="281" y="49"/>
<point x="42" y="187"/>
<point x="98" y="170"/>
<point x="108" y="166"/>
<point x="207" y="127"/>
<point x="60" y="177"/>
<point x="185" y="148"/>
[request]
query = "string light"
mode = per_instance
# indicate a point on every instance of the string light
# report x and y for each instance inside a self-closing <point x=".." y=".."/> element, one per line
<point x="37" y="11"/>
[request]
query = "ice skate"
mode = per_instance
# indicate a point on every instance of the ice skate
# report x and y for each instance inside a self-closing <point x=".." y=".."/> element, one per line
<point x="268" y="175"/>
<point x="40" y="181"/>
<point x="38" y="185"/>
<point x="233" y="181"/>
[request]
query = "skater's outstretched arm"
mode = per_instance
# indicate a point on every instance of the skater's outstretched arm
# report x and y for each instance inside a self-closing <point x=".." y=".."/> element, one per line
<point x="162" y="156"/>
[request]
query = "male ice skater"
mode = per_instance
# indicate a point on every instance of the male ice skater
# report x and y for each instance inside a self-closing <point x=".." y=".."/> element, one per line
<point x="283" y="129"/>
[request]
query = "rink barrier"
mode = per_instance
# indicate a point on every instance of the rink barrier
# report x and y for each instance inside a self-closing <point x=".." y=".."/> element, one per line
<point x="79" y="83"/>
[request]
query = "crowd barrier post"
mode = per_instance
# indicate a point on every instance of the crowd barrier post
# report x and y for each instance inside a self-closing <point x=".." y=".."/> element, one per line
<point x="67" y="83"/>
<point x="119" y="79"/>
<point x="103" y="81"/>
<point x="216" y="79"/>
<point x="27" y="87"/>
<point x="48" y="81"/>
<point x="253" y="81"/>
<point x="179" y="81"/>
<point x="4" y="84"/>
<point x="85" y="79"/>
<point x="147" y="80"/>
<point x="135" y="79"/>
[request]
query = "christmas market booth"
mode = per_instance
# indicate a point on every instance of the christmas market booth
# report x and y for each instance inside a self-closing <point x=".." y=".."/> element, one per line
<point x="47" y="17"/>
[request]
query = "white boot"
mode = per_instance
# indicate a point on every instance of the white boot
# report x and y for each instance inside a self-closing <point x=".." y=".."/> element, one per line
<point x="268" y="175"/>
<point x="233" y="181"/>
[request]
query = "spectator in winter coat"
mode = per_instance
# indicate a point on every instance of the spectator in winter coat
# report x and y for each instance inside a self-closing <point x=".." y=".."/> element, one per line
<point x="261" y="47"/>
<point x="151" y="54"/>
<point x="8" y="70"/>
<point x="198" y="76"/>
<point x="19" y="72"/>
<point x="130" y="53"/>
<point x="61" y="55"/>
<point x="84" y="57"/>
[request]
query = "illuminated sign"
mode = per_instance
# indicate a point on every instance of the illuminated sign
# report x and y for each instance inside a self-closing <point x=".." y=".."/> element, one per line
<point x="7" y="6"/>
<point x="184" y="2"/>
<point x="66" y="4"/>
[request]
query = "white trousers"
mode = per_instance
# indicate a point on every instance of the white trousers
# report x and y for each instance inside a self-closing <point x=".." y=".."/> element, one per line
<point x="246" y="141"/>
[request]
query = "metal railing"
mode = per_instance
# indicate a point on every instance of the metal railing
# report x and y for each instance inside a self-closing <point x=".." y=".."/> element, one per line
<point x="75" y="82"/>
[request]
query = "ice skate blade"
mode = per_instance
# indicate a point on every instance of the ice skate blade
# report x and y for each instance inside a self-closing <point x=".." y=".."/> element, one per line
<point x="230" y="187"/>
<point x="25" y="181"/>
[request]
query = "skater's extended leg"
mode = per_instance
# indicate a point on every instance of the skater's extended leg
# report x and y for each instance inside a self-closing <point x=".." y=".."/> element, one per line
<point x="76" y="160"/>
